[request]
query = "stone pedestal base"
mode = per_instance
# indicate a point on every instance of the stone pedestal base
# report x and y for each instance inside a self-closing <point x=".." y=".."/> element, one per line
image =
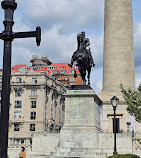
<point x="81" y="135"/>
<point x="79" y="138"/>
<point x="82" y="109"/>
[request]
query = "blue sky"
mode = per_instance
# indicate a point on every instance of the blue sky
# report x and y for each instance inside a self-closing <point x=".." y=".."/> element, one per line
<point x="60" y="21"/>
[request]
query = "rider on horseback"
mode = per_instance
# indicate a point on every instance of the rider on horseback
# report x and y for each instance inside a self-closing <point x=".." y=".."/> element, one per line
<point x="86" y="43"/>
<point x="81" y="38"/>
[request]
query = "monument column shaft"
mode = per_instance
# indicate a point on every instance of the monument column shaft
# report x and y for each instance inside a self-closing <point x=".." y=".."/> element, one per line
<point x="118" y="59"/>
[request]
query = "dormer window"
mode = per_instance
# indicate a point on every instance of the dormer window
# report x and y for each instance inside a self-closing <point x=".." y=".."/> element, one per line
<point x="62" y="67"/>
<point x="62" y="71"/>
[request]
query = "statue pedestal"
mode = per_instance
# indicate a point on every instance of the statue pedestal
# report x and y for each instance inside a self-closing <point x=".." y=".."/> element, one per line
<point x="82" y="121"/>
<point x="81" y="135"/>
<point x="82" y="109"/>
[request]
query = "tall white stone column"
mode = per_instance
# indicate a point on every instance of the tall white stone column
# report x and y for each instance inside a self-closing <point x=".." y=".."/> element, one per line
<point x="118" y="60"/>
<point x="118" y="56"/>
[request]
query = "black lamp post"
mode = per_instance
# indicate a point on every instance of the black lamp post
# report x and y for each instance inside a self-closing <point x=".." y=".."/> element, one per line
<point x="114" y="102"/>
<point x="8" y="36"/>
<point x="128" y="126"/>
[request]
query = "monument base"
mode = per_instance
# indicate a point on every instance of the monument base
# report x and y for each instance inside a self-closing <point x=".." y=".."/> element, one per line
<point x="82" y="108"/>
<point x="81" y="135"/>
<point x="82" y="120"/>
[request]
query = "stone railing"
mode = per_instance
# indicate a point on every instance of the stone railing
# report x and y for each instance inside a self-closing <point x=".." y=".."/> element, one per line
<point x="137" y="141"/>
<point x="19" y="142"/>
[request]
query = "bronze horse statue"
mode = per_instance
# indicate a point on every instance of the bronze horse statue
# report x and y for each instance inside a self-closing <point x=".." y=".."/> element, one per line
<point x="82" y="58"/>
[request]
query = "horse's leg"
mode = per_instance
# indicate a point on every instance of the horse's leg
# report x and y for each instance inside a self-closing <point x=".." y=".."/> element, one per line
<point x="83" y="74"/>
<point x="75" y="74"/>
<point x="89" y="71"/>
<point x="84" y="77"/>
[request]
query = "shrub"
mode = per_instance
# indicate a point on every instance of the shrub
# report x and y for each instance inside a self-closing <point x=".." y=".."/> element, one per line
<point x="124" y="156"/>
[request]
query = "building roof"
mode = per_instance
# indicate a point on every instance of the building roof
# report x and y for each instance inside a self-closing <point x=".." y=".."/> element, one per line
<point x="16" y="67"/>
<point x="55" y="68"/>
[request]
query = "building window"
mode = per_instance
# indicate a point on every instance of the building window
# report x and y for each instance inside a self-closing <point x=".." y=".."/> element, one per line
<point x="17" y="114"/>
<point x="18" y="80"/>
<point x="18" y="104"/>
<point x="71" y="72"/>
<point x="22" y="141"/>
<point x="33" y="116"/>
<point x="51" y="67"/>
<point x="16" y="127"/>
<point x="18" y="92"/>
<point x="22" y="69"/>
<point x="72" y="79"/>
<point x="16" y="142"/>
<point x="62" y="71"/>
<point x="34" y="92"/>
<point x="32" y="127"/>
<point x="33" y="104"/>
<point x="53" y="72"/>
<point x="62" y="67"/>
<point x="34" y="80"/>
<point x="36" y="67"/>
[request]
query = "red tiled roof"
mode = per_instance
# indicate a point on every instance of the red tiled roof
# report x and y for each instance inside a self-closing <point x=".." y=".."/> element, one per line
<point x="16" y="67"/>
<point x="58" y="68"/>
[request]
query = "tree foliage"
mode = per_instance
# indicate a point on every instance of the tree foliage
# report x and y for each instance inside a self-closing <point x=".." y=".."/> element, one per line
<point x="124" y="156"/>
<point x="133" y="101"/>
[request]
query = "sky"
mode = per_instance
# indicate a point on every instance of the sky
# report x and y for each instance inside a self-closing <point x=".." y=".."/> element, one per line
<point x="60" y="21"/>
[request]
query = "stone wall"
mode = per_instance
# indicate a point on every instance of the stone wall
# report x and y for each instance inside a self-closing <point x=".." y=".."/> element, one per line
<point x="14" y="152"/>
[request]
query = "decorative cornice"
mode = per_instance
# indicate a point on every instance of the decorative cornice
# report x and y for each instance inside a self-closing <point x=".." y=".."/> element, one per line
<point x="109" y="103"/>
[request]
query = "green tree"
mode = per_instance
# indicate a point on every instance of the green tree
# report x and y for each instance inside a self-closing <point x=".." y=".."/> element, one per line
<point x="133" y="101"/>
<point x="124" y="156"/>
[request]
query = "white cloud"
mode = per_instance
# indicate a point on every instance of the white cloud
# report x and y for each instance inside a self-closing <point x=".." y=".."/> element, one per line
<point x="59" y="47"/>
<point x="137" y="43"/>
<point x="61" y="20"/>
<point x="138" y="81"/>
<point x="97" y="48"/>
<point x="71" y="14"/>
<point x="21" y="55"/>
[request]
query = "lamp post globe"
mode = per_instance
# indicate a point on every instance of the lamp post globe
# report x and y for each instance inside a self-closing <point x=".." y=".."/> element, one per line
<point x="114" y="101"/>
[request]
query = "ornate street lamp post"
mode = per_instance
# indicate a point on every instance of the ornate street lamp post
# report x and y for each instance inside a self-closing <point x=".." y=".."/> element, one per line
<point x="128" y="126"/>
<point x="8" y="36"/>
<point x="114" y="102"/>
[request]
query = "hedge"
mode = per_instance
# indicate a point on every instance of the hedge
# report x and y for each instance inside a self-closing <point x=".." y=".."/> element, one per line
<point x="124" y="156"/>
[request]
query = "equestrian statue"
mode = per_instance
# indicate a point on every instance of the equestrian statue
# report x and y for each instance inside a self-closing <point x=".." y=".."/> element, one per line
<point x="82" y="58"/>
